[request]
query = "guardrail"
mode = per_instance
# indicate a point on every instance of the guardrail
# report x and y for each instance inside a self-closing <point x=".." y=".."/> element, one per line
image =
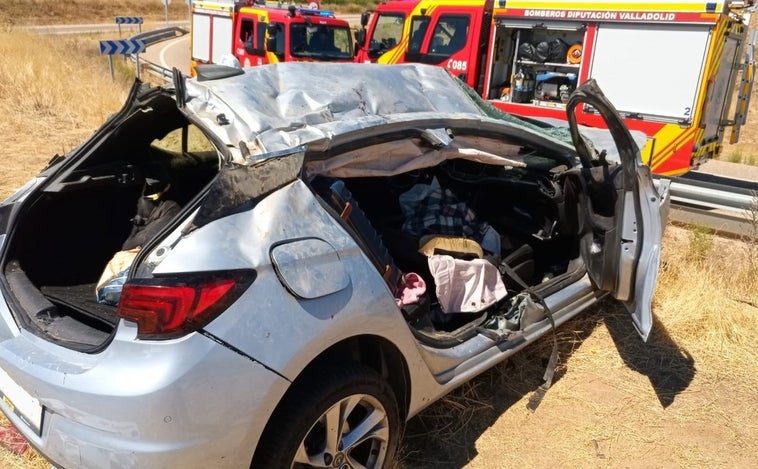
<point x="158" y="35"/>
<point x="714" y="192"/>
<point x="726" y="205"/>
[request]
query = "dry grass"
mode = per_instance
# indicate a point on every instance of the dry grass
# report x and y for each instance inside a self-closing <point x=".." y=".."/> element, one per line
<point x="51" y="104"/>
<point x="685" y="399"/>
<point x="40" y="12"/>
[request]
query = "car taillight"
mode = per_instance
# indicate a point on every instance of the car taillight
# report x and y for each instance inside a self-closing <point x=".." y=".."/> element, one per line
<point x="170" y="307"/>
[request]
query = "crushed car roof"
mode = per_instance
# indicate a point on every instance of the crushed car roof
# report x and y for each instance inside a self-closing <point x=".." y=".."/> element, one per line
<point x="276" y="107"/>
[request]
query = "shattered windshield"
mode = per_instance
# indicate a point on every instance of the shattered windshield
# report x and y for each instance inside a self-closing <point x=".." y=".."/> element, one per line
<point x="559" y="133"/>
<point x="321" y="42"/>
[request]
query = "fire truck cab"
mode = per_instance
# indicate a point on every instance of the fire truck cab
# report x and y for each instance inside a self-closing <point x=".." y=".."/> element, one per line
<point x="257" y="33"/>
<point x="452" y="34"/>
<point x="669" y="68"/>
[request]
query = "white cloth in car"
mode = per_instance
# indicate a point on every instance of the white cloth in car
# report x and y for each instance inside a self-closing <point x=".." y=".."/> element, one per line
<point x="465" y="286"/>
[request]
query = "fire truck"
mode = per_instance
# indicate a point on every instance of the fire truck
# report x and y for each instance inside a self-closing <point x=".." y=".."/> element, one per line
<point x="257" y="33"/>
<point x="670" y="68"/>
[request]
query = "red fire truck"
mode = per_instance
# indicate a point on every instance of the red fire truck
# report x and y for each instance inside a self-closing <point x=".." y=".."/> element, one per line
<point x="669" y="67"/>
<point x="256" y="33"/>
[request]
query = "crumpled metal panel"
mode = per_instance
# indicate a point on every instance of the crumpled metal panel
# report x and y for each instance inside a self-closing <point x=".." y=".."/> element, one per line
<point x="274" y="107"/>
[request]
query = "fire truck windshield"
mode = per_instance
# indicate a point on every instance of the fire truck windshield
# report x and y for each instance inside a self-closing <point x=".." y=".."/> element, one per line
<point x="387" y="33"/>
<point x="321" y="42"/>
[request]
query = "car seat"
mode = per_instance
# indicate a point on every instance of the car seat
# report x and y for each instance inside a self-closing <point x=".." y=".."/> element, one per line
<point x="337" y="195"/>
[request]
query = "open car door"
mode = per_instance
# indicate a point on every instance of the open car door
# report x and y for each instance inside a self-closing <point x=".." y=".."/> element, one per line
<point x="623" y="213"/>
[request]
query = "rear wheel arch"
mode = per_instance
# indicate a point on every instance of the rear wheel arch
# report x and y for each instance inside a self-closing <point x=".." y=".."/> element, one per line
<point x="375" y="353"/>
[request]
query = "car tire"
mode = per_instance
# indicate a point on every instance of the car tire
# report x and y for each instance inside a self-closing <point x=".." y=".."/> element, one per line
<point x="370" y="432"/>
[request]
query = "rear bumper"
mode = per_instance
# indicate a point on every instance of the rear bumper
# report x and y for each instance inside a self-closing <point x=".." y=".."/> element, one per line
<point x="189" y="402"/>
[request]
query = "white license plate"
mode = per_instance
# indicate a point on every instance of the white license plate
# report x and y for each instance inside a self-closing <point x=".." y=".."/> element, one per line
<point x="20" y="402"/>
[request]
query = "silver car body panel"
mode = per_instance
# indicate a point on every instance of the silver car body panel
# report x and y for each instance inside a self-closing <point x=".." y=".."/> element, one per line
<point x="268" y="318"/>
<point x="639" y="223"/>
<point x="654" y="211"/>
<point x="101" y="410"/>
<point x="309" y="268"/>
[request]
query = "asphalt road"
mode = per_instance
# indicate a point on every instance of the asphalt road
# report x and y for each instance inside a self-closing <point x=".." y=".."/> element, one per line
<point x="731" y="170"/>
<point x="170" y="53"/>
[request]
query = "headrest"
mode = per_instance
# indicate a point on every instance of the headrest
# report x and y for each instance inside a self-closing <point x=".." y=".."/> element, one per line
<point x="458" y="247"/>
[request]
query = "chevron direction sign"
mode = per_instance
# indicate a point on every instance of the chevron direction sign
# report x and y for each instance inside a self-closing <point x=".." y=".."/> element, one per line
<point x="128" y="20"/>
<point x="122" y="46"/>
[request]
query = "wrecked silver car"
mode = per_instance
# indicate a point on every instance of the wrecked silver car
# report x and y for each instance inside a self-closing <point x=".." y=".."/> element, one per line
<point x="277" y="267"/>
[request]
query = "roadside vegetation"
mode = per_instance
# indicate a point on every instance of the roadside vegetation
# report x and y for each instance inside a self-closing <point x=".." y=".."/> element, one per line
<point x="740" y="156"/>
<point x="685" y="399"/>
<point x="50" y="100"/>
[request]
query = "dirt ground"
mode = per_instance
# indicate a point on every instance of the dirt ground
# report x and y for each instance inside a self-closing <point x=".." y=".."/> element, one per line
<point x="686" y="399"/>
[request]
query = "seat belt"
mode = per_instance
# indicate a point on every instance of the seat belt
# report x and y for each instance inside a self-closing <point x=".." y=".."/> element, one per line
<point x="536" y="398"/>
